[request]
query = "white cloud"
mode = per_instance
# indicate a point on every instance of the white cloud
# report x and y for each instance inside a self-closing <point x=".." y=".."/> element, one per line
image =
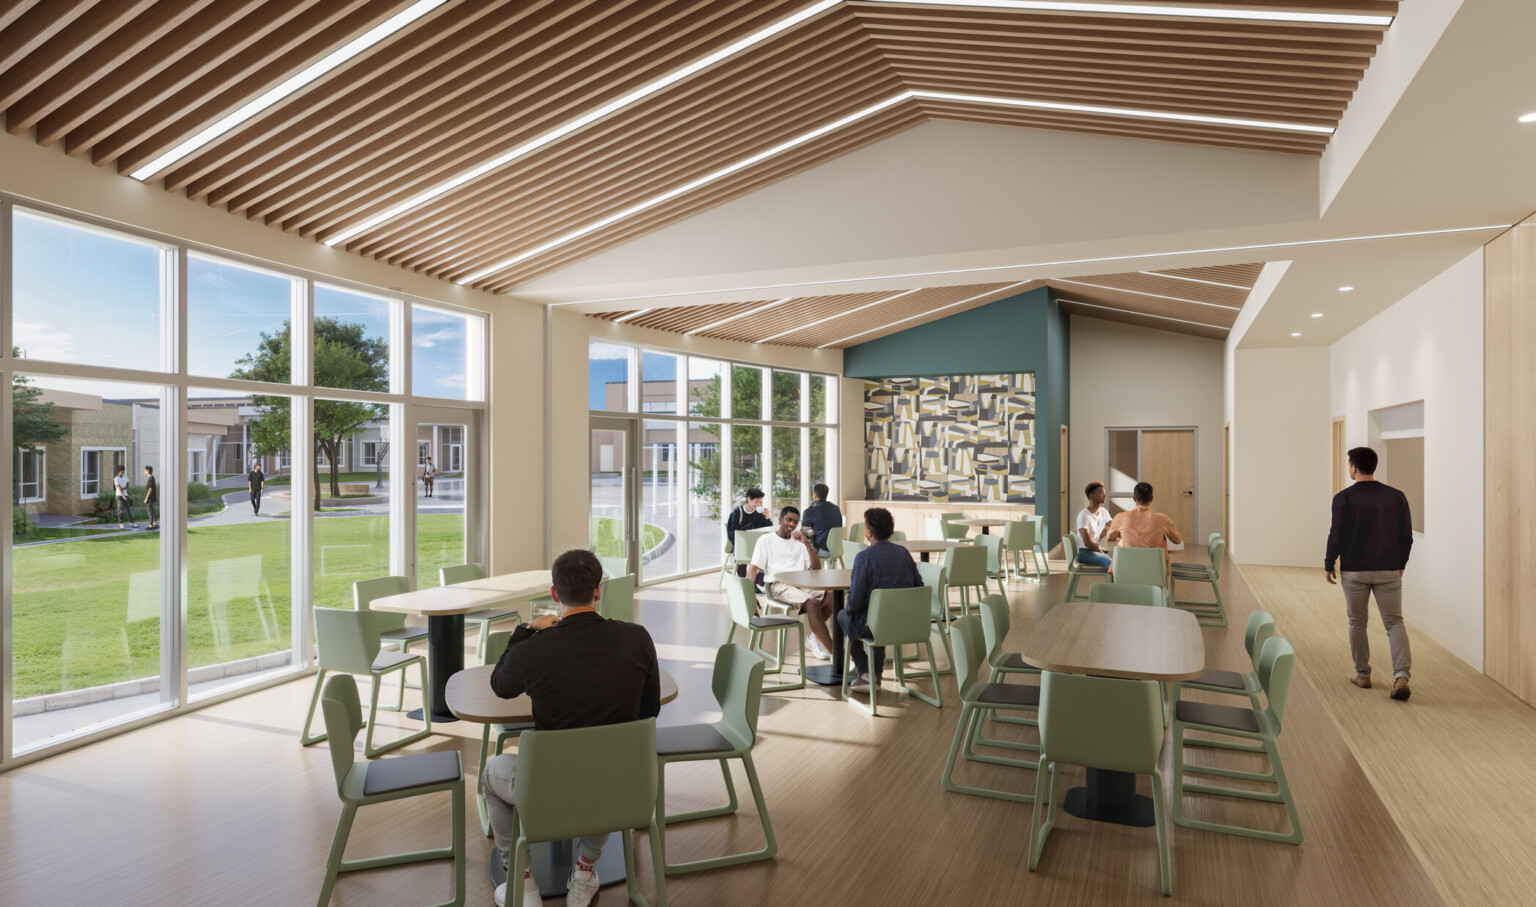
<point x="41" y="340"/>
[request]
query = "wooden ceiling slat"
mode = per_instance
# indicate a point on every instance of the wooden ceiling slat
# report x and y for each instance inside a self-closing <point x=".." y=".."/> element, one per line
<point x="36" y="26"/>
<point x="1139" y="94"/>
<point x="1239" y="108"/>
<point x="1234" y="274"/>
<point x="855" y="319"/>
<point x="73" y="41"/>
<point x="1166" y="286"/>
<point x="1222" y="318"/>
<point x="15" y="9"/>
<point x="884" y="17"/>
<point x="682" y="319"/>
<point x="1266" y="79"/>
<point x="1146" y="321"/>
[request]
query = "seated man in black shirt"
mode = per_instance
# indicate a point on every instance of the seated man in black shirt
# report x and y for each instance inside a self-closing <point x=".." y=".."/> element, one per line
<point x="745" y="516"/>
<point x="580" y="670"/>
<point x="821" y="518"/>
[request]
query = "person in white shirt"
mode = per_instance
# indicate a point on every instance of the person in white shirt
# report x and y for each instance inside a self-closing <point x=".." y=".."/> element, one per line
<point x="121" y="502"/>
<point x="784" y="551"/>
<point x="1092" y="523"/>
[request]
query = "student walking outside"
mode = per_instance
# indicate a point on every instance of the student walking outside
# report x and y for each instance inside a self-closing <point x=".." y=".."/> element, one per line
<point x="122" y="505"/>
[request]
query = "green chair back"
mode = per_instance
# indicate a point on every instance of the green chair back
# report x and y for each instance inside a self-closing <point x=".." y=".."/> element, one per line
<point x="462" y="573"/>
<point x="496" y="645"/>
<point x="900" y="616"/>
<point x="738" y="688"/>
<point x="741" y="600"/>
<point x="856" y="532"/>
<point x="897" y="536"/>
<point x="365" y="591"/>
<point x="851" y="550"/>
<point x="966" y="641"/>
<point x="746" y="543"/>
<point x="1218" y="550"/>
<point x="343" y="715"/>
<point x="835" y="542"/>
<point x="1101" y="722"/>
<point x="993" y="545"/>
<point x="1069" y="546"/>
<point x="1145" y="566"/>
<point x="347" y="640"/>
<point x="1019" y="535"/>
<point x="951" y="531"/>
<point x="586" y="781"/>
<point x="617" y="599"/>
<point x="1261" y="626"/>
<point x="1276" y="660"/>
<point x="936" y="578"/>
<point x="967" y="565"/>
<point x="614" y="566"/>
<point x="995" y="623"/>
<point x="1119" y="593"/>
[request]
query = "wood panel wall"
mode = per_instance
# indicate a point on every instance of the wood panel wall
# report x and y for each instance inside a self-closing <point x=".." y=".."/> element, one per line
<point x="912" y="516"/>
<point x="1509" y="420"/>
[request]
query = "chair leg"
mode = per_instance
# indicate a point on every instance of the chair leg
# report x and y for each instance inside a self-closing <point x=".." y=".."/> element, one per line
<point x="657" y="868"/>
<point x="459" y="856"/>
<point x="1164" y="853"/>
<point x="848" y="677"/>
<point x="770" y="847"/>
<point x="515" y="867"/>
<point x="1039" y="832"/>
<point x="338" y="847"/>
<point x="369" y="749"/>
<point x="799" y="684"/>
<point x="970" y="717"/>
<point x="937" y="699"/>
<point x="485" y="749"/>
<point x="305" y="737"/>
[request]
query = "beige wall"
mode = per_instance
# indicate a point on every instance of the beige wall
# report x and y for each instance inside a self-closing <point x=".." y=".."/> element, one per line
<point x="1184" y="389"/>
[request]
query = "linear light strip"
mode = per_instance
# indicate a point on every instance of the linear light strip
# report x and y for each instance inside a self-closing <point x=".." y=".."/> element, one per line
<point x="1148" y="9"/>
<point x="1214" y="283"/>
<point x="868" y="305"/>
<point x="762" y="308"/>
<point x="1123" y="112"/>
<point x="585" y="119"/>
<point x="287" y="87"/>
<point x="1106" y="308"/>
<point x="1099" y="286"/>
<point x="628" y="315"/>
<point x="670" y="194"/>
<point x="919" y="275"/>
<point x="927" y="314"/>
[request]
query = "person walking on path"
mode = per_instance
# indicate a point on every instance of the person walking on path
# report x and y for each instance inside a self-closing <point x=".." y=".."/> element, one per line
<point x="428" y="475"/>
<point x="122" y="505"/>
<point x="151" y="498"/>
<point x="1371" y="535"/>
<point x="256" y="481"/>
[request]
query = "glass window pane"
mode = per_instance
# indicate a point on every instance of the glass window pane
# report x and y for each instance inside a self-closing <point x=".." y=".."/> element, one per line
<point x="237" y="321"/>
<point x="817" y="467"/>
<point x="786" y="397"/>
<point x="746" y="392"/>
<point x="446" y="354"/>
<point x="786" y="468"/>
<point x="746" y="460"/>
<point x="85" y="295"/>
<point x="661" y="488"/>
<point x="87" y="596"/>
<point x="658" y="382"/>
<point x="704" y="380"/>
<point x="439" y="485"/>
<point x="351" y="340"/>
<point x="351" y="503"/>
<point x="818" y="401"/>
<point x="706" y="513"/>
<point x="606" y="530"/>
<point x="608" y="367"/>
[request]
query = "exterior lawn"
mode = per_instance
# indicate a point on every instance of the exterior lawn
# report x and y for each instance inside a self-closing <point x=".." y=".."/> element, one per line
<point x="607" y="536"/>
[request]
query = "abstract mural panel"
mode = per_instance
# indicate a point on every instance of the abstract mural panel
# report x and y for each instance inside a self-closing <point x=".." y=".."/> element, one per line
<point x="950" y="439"/>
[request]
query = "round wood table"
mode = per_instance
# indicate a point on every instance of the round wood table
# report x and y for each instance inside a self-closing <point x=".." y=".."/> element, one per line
<point x="926" y="547"/>
<point x="837" y="582"/>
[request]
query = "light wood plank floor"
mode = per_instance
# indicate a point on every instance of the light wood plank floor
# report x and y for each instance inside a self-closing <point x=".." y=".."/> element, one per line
<point x="223" y="806"/>
<point x="1453" y="764"/>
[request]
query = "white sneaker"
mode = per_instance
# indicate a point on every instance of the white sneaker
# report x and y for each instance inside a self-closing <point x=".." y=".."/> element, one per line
<point x="531" y="896"/>
<point x="581" y="887"/>
<point x="860" y="684"/>
<point x="818" y="650"/>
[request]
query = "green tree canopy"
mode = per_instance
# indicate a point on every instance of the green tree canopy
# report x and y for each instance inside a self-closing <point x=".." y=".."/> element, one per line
<point x="33" y="421"/>
<point x="747" y="403"/>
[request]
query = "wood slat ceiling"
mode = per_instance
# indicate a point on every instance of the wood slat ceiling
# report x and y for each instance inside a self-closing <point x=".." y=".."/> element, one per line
<point x="1199" y="301"/>
<point x="123" y="81"/>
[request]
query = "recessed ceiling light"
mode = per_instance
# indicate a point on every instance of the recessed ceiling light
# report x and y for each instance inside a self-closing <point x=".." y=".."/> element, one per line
<point x="1345" y="289"/>
<point x="1528" y="118"/>
<point x="1295" y="333"/>
<point x="1317" y="314"/>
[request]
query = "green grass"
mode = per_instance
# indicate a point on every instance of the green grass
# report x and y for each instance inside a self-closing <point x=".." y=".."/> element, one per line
<point x="76" y="624"/>
<point x="39" y="534"/>
<point x="607" y="540"/>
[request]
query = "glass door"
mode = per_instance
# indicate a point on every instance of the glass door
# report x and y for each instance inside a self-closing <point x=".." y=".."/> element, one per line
<point x="613" y="529"/>
<point x="443" y="479"/>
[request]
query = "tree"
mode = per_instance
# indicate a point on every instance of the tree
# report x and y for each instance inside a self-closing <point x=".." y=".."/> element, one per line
<point x="33" y="423"/>
<point x="345" y="357"/>
<point x="746" y="402"/>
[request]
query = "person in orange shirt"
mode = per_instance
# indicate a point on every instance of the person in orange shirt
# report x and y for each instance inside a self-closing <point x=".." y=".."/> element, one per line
<point x="1144" y="527"/>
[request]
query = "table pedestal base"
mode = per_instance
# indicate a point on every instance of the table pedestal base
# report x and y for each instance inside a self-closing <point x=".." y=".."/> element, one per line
<point x="1110" y="797"/>
<point x="552" y="866"/>
<point x="826" y="675"/>
<point x="445" y="658"/>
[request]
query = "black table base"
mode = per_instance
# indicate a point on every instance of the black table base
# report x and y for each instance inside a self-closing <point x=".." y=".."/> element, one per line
<point x="445" y="658"/>
<point x="830" y="675"/>
<point x="552" y="866"/>
<point x="1111" y="797"/>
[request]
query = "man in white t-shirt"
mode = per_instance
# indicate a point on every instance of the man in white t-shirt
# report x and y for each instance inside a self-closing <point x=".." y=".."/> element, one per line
<point x="784" y="551"/>
<point x="1092" y="523"/>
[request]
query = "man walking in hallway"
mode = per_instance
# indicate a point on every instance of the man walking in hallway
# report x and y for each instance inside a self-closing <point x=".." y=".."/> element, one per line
<point x="1372" y="532"/>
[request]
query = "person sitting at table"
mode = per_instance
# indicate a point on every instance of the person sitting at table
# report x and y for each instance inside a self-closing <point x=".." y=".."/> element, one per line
<point x="580" y="670"/>
<point x="784" y="551"/>
<point x="883" y="565"/>
<point x="1092" y="523"/>
<point x="821" y="518"/>
<point x="1144" y="527"/>
<point x="748" y="515"/>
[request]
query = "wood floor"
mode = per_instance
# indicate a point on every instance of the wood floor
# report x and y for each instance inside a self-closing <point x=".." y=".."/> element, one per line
<point x="224" y="807"/>
<point x="1453" y="764"/>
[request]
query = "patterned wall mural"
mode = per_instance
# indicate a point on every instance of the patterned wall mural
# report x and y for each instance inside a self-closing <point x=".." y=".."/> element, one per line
<point x="950" y="439"/>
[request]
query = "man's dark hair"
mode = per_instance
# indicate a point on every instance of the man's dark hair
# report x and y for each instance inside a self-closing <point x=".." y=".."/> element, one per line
<point x="1092" y="487"/>
<point x="577" y="574"/>
<point x="820" y="490"/>
<point x="1364" y="459"/>
<point x="150" y="470"/>
<point x="1142" y="492"/>
<point x="119" y="470"/>
<point x="880" y="523"/>
<point x="789" y="508"/>
<point x="754" y="494"/>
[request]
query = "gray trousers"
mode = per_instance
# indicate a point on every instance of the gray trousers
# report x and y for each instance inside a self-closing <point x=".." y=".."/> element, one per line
<point x="499" y="774"/>
<point x="1388" y="587"/>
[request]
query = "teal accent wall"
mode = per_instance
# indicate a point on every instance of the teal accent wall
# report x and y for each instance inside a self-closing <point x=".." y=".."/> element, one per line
<point x="1023" y="333"/>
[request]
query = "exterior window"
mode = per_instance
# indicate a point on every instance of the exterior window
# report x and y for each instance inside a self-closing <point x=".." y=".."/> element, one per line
<point x="423" y="451"/>
<point x="97" y="467"/>
<point x="30" y="475"/>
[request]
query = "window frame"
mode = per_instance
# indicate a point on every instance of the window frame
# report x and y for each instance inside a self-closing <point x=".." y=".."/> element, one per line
<point x="87" y="495"/>
<point x="42" y="475"/>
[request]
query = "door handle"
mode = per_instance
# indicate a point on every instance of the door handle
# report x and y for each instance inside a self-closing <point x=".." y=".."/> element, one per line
<point x="1189" y="492"/>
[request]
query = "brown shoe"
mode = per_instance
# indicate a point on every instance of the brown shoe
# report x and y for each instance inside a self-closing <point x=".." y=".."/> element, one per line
<point x="1400" y="689"/>
<point x="1363" y="681"/>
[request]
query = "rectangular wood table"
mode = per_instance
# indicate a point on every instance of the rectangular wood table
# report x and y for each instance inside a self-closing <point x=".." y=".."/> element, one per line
<point x="985" y="523"/>
<point x="1106" y="640"/>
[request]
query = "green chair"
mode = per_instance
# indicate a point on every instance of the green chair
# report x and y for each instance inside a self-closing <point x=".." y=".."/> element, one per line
<point x="1126" y="594"/>
<point x="1210" y="613"/>
<point x="616" y="601"/>
<point x="481" y="620"/>
<point x="366" y="783"/>
<point x="851" y="550"/>
<point x="856" y="532"/>
<point x="1277" y="660"/>
<point x="495" y="646"/>
<point x="1261" y="626"/>
<point x="951" y="531"/>
<point x="585" y="781"/>
<point x="742" y="604"/>
<point x="967" y="568"/>
<point x="1019" y="544"/>
<point x="936" y="579"/>
<point x="614" y="566"/>
<point x="737" y="685"/>
<point x="1141" y="566"/>
<point x="835" y="542"/>
<point x="997" y="559"/>
<point x="1105" y="723"/>
<point x="897" y="617"/>
<point x="1075" y="569"/>
<point x="740" y="554"/>
<point x="1040" y="540"/>
<point x="897" y="536"/>
<point x="392" y="628"/>
<point x="348" y="642"/>
<point x="977" y="700"/>
<point x="995" y="624"/>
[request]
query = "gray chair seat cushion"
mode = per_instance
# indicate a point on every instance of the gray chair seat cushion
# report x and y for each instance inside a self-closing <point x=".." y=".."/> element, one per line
<point x="1191" y="571"/>
<point x="772" y="623"/>
<point x="385" y="776"/>
<point x="1222" y="716"/>
<point x="1016" y="694"/>
<point x="1230" y="680"/>
<point x="1086" y="569"/>
<point x="517" y="728"/>
<point x="488" y="616"/>
<point x="691" y="738"/>
<point x="1017" y="663"/>
<point x="384" y="661"/>
<point x="404" y="633"/>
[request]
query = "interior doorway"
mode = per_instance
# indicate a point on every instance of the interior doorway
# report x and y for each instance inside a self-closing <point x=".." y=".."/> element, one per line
<point x="1340" y="456"/>
<point x="1163" y="457"/>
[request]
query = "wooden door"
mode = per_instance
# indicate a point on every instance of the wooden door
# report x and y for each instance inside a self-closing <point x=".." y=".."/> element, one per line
<point x="1065" y="518"/>
<point x="1340" y="456"/>
<point x="1168" y="462"/>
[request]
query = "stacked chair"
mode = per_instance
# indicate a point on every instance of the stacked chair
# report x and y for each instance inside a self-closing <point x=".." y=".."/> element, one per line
<point x="1210" y="613"/>
<point x="979" y="698"/>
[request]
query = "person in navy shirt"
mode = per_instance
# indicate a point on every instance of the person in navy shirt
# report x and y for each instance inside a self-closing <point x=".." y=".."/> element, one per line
<point x="883" y="565"/>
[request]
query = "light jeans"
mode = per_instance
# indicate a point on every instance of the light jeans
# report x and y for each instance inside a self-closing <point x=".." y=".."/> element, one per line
<point x="1093" y="558"/>
<point x="498" y="776"/>
<point x="1388" y="587"/>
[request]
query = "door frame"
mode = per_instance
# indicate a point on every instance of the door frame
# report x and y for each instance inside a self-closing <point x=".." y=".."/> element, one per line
<point x="1194" y="517"/>
<point x="476" y="482"/>
<point x="631" y="426"/>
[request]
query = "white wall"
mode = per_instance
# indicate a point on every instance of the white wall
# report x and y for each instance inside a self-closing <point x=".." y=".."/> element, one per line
<point x="1187" y="391"/>
<point x="1429" y="346"/>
